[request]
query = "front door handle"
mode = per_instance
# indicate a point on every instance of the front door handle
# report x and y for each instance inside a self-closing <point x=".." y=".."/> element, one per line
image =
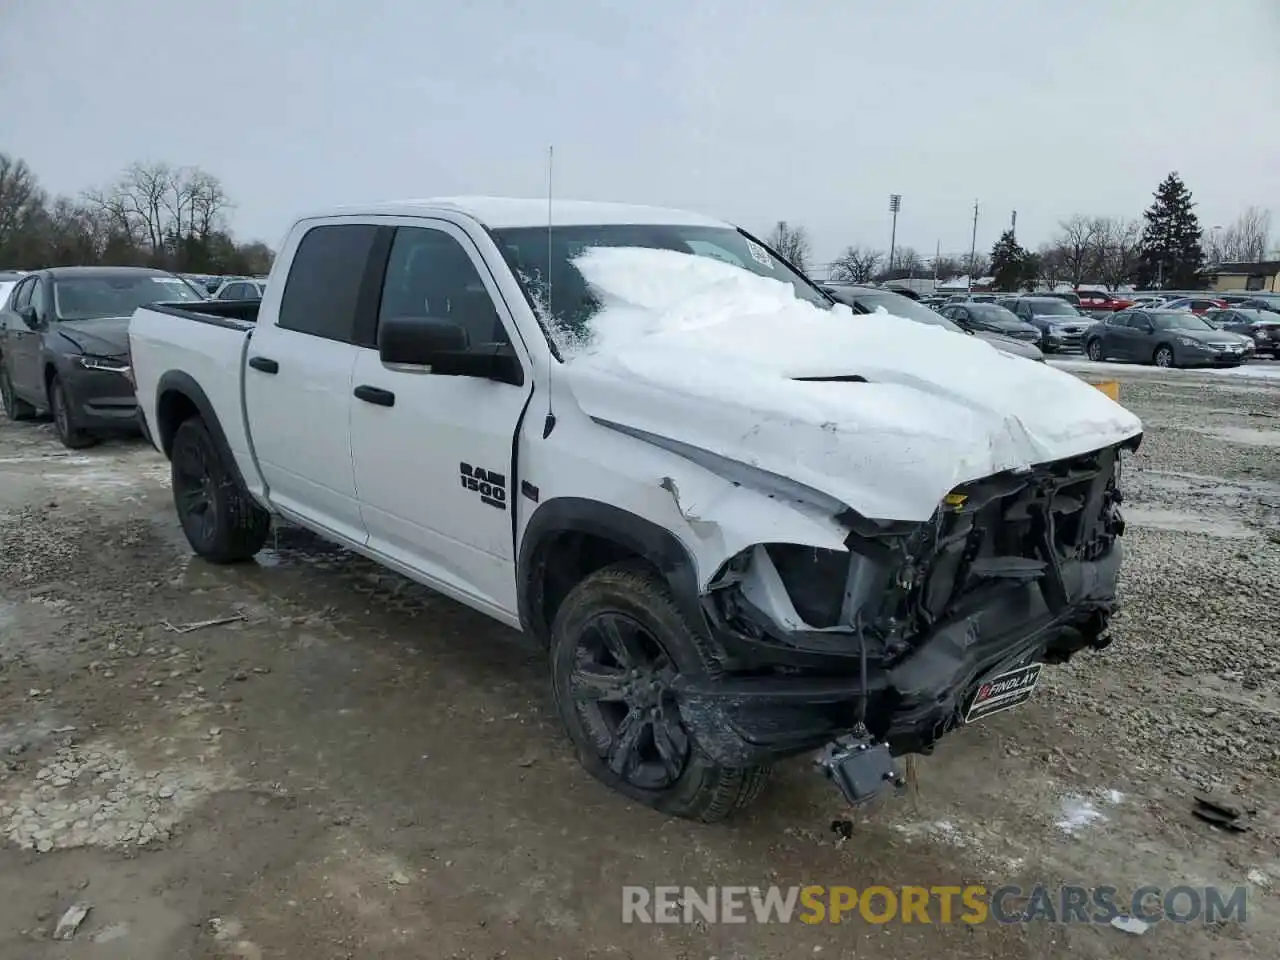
<point x="264" y="364"/>
<point x="383" y="398"/>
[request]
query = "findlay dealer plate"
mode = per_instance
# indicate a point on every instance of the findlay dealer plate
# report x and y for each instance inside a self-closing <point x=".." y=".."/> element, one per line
<point x="1003" y="691"/>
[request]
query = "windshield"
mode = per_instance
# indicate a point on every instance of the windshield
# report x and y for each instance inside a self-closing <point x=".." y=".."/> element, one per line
<point x="993" y="313"/>
<point x="527" y="250"/>
<point x="106" y="295"/>
<point x="1053" y="308"/>
<point x="904" y="307"/>
<point x="1179" y="320"/>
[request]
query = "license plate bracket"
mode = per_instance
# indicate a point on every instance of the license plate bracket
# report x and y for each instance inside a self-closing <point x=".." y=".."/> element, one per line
<point x="1002" y="691"/>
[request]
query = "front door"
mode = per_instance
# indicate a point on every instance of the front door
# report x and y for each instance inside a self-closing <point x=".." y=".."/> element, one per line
<point x="24" y="365"/>
<point x="434" y="467"/>
<point x="298" y="377"/>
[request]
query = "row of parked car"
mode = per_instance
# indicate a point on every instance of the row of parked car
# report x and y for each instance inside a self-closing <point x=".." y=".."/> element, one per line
<point x="1168" y="329"/>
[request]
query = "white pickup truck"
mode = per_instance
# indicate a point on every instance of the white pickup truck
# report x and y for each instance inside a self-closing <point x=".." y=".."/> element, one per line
<point x="746" y="523"/>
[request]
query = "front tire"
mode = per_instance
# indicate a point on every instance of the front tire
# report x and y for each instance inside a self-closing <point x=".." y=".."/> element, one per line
<point x="14" y="408"/>
<point x="221" y="521"/>
<point x="617" y="644"/>
<point x="72" y="437"/>
<point x="1095" y="350"/>
<point x="1164" y="357"/>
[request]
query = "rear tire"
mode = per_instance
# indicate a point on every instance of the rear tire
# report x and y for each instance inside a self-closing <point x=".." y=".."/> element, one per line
<point x="72" y="437"/>
<point x="617" y="644"/>
<point x="14" y="408"/>
<point x="221" y="521"/>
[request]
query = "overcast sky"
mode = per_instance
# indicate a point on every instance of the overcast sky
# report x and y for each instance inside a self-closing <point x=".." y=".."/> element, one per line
<point x="812" y="111"/>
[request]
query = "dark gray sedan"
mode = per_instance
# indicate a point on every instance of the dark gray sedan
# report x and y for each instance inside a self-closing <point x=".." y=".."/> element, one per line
<point x="1167" y="338"/>
<point x="64" y="345"/>
<point x="990" y="318"/>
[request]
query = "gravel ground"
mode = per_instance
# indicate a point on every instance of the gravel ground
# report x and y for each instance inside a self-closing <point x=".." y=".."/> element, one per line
<point x="355" y="767"/>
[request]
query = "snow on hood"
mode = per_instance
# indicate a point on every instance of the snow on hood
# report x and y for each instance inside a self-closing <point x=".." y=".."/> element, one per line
<point x="707" y="354"/>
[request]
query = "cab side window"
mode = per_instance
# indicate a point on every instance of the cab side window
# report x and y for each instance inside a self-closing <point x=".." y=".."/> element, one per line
<point x="322" y="292"/>
<point x="430" y="274"/>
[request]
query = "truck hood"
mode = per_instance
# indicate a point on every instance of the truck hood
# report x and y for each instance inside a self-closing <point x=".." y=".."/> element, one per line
<point x="108" y="337"/>
<point x="884" y="416"/>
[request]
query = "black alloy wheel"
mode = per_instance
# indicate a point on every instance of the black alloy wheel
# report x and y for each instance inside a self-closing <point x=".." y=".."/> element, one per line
<point x="622" y="688"/>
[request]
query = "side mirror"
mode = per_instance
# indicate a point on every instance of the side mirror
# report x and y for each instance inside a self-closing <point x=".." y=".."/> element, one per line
<point x="28" y="315"/>
<point x="441" y="347"/>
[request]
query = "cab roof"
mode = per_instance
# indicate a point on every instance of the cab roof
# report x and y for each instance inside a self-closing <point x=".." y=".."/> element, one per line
<point x="508" y="212"/>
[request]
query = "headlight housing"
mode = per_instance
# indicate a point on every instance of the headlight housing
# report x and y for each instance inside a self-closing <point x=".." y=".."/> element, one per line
<point x="1189" y="342"/>
<point x="108" y="364"/>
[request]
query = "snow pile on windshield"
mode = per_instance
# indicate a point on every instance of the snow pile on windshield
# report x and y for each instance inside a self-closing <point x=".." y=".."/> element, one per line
<point x="675" y="303"/>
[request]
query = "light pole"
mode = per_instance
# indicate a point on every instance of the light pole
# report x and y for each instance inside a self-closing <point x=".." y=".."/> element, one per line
<point x="973" y="245"/>
<point x="895" y="204"/>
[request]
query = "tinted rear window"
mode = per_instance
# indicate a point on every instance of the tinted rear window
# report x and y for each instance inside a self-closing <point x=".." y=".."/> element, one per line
<point x="322" y="292"/>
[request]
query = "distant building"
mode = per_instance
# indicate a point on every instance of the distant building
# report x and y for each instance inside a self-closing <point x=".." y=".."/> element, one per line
<point x="1263" y="275"/>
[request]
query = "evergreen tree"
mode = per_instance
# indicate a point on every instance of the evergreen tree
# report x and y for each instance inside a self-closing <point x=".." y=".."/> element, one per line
<point x="1171" y="255"/>
<point x="1008" y="263"/>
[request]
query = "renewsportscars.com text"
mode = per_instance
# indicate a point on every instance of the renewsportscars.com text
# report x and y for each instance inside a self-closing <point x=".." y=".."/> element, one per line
<point x="972" y="904"/>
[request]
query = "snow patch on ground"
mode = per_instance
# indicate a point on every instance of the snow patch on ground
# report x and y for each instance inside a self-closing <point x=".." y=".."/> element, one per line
<point x="1254" y="371"/>
<point x="946" y="832"/>
<point x="1078" y="812"/>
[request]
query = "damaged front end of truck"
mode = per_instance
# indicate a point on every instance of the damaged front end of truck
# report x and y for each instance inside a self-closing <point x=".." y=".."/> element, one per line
<point x="914" y="629"/>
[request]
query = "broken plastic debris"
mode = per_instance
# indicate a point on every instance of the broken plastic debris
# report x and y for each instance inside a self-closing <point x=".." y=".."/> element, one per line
<point x="1131" y="925"/>
<point x="71" y="920"/>
<point x="201" y="624"/>
<point x="1221" y="815"/>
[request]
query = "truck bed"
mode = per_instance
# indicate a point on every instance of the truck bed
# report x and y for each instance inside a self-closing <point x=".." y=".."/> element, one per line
<point x="203" y="348"/>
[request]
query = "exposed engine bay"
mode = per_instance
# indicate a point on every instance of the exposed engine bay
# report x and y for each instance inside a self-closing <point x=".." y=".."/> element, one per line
<point x="890" y="639"/>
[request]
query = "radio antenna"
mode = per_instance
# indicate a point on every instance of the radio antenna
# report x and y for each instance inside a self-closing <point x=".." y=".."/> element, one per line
<point x="551" y="158"/>
<point x="549" y="423"/>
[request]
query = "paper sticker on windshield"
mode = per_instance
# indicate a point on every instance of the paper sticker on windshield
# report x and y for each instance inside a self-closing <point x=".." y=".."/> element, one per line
<point x="759" y="254"/>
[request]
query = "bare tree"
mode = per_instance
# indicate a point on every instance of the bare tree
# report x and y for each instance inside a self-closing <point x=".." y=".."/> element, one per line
<point x="1078" y="241"/>
<point x="856" y="264"/>
<point x="1117" y="243"/>
<point x="209" y="203"/>
<point x="160" y="207"/>
<point x="1053" y="265"/>
<point x="907" y="261"/>
<point x="792" y="243"/>
<point x="1247" y="240"/>
<point x="946" y="267"/>
<point x="978" y="266"/>
<point x="20" y="198"/>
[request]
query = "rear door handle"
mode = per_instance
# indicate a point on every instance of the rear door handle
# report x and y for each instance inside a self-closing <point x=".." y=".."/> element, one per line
<point x="264" y="364"/>
<point x="383" y="398"/>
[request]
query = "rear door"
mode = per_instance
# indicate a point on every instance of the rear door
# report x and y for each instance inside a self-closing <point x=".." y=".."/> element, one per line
<point x="1115" y="336"/>
<point x="433" y="453"/>
<point x="298" y="378"/>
